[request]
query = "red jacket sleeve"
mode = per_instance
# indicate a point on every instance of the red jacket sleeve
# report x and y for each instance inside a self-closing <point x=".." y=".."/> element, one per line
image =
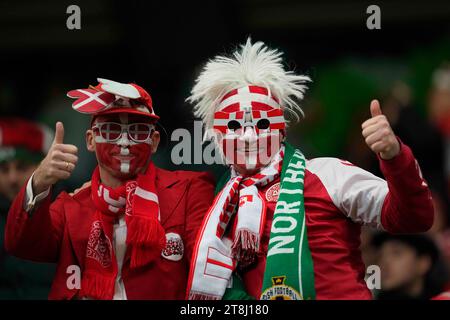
<point x="36" y="235"/>
<point x="408" y="206"/>
<point x="199" y="198"/>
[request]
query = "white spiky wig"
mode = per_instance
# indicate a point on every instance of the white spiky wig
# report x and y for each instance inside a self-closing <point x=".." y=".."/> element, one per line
<point x="252" y="64"/>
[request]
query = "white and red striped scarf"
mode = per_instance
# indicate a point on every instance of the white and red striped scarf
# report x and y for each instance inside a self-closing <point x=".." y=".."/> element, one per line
<point x="145" y="235"/>
<point x="221" y="246"/>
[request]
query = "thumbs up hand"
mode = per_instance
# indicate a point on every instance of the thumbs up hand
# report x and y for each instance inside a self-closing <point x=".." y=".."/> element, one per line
<point x="379" y="135"/>
<point x="57" y="165"/>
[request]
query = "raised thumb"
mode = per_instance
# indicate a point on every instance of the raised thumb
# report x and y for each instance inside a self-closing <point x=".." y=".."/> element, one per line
<point x="375" y="109"/>
<point x="59" y="133"/>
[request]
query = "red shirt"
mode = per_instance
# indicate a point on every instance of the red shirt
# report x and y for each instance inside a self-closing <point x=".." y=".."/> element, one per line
<point x="339" y="197"/>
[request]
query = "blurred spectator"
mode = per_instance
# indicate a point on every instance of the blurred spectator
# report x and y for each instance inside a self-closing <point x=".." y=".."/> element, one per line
<point x="439" y="111"/>
<point x="368" y="252"/>
<point x="440" y="230"/>
<point x="23" y="145"/>
<point x="427" y="143"/>
<point x="410" y="267"/>
<point x="415" y="131"/>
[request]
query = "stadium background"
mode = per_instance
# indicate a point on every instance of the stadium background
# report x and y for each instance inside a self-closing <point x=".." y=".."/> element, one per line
<point x="162" y="45"/>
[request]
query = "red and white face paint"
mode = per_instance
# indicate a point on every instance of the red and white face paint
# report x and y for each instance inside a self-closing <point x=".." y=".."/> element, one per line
<point x="249" y="125"/>
<point x="123" y="146"/>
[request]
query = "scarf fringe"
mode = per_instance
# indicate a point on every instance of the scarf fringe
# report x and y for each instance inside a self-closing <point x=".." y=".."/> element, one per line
<point x="97" y="286"/>
<point x="245" y="246"/>
<point x="202" y="296"/>
<point x="149" y="236"/>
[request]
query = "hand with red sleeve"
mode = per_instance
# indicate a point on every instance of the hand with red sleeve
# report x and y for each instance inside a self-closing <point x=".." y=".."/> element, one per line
<point x="34" y="228"/>
<point x="57" y="165"/>
<point x="408" y="206"/>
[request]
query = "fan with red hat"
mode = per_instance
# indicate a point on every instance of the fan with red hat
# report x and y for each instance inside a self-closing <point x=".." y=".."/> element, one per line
<point x="23" y="139"/>
<point x="115" y="224"/>
<point x="23" y="144"/>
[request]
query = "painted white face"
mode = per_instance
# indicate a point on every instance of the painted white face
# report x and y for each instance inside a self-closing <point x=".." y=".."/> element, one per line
<point x="123" y="143"/>
<point x="250" y="126"/>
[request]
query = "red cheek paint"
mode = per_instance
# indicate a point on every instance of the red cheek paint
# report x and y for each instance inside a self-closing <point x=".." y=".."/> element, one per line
<point x="123" y="160"/>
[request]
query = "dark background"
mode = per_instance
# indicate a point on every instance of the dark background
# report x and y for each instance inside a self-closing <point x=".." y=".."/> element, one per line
<point x="161" y="44"/>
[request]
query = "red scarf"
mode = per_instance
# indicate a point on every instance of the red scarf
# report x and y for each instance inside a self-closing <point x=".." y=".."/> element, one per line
<point x="145" y="235"/>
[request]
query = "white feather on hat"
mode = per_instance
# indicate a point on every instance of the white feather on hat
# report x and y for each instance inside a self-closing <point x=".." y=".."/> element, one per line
<point x="253" y="64"/>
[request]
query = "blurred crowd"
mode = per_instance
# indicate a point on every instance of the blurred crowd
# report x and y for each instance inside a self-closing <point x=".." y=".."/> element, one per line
<point x="412" y="266"/>
<point x="415" y="266"/>
<point x="23" y="144"/>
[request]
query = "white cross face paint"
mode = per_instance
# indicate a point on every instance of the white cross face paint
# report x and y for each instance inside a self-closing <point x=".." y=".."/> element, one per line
<point x="124" y="157"/>
<point x="247" y="148"/>
<point x="124" y="163"/>
<point x="249" y="125"/>
<point x="124" y="151"/>
<point x="250" y="151"/>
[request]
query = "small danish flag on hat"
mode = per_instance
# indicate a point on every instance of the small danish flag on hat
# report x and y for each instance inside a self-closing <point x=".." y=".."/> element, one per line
<point x="113" y="97"/>
<point x="91" y="101"/>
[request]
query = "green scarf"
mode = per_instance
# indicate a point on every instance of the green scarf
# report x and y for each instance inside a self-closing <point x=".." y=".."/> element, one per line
<point x="289" y="272"/>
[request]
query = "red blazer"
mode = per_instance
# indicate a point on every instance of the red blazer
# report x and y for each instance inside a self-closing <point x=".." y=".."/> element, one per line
<point x="58" y="232"/>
